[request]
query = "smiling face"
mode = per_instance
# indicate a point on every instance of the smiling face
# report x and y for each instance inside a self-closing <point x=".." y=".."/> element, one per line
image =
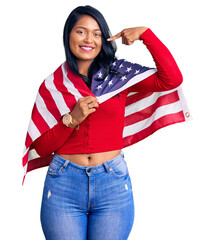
<point x="85" y="40"/>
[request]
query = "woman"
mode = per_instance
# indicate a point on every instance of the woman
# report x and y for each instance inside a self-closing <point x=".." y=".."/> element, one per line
<point x="88" y="192"/>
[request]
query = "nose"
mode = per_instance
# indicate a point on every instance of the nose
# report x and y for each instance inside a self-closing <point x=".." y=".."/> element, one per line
<point x="88" y="38"/>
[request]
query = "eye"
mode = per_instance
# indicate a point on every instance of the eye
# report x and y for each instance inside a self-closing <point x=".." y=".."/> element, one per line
<point x="81" y="32"/>
<point x="97" y="34"/>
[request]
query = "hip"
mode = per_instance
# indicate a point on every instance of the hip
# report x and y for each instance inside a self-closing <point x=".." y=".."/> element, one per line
<point x="89" y="186"/>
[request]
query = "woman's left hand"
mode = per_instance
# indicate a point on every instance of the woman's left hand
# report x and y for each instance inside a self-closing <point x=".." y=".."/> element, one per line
<point x="129" y="35"/>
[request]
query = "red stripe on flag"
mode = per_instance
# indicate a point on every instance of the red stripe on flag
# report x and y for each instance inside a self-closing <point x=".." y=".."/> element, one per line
<point x="147" y="112"/>
<point x="136" y="97"/>
<point x="67" y="96"/>
<point x="39" y="121"/>
<point x="79" y="83"/>
<point x="39" y="162"/>
<point x="28" y="140"/>
<point x="25" y="159"/>
<point x="156" y="125"/>
<point x="49" y="101"/>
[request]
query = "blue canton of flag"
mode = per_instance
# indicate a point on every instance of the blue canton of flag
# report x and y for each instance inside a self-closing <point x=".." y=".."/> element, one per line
<point x="104" y="88"/>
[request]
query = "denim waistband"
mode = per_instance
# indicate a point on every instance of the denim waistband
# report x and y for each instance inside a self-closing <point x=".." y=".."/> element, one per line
<point x="105" y="166"/>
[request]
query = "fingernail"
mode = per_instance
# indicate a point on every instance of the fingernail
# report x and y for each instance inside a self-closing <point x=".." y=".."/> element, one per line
<point x="108" y="39"/>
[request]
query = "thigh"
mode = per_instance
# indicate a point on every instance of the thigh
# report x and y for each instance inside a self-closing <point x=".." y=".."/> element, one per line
<point x="111" y="224"/>
<point x="60" y="225"/>
<point x="113" y="216"/>
<point x="63" y="215"/>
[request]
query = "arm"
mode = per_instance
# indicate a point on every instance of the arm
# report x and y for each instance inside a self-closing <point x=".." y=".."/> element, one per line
<point x="53" y="139"/>
<point x="168" y="75"/>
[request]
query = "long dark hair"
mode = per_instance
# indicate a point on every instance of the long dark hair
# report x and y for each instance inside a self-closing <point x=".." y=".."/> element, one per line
<point x="107" y="54"/>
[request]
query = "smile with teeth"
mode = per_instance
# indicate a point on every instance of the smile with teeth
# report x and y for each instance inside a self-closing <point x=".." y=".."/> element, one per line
<point x="86" y="48"/>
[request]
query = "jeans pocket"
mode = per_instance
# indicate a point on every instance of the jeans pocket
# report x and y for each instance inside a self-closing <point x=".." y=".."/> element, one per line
<point x="55" y="167"/>
<point x="120" y="169"/>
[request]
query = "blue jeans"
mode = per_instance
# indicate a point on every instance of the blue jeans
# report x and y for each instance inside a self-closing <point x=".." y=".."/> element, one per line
<point x="94" y="203"/>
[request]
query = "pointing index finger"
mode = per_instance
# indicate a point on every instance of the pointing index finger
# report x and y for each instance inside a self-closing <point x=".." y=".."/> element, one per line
<point x="115" y="37"/>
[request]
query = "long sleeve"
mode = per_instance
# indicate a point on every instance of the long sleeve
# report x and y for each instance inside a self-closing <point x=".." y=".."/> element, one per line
<point x="53" y="139"/>
<point x="168" y="75"/>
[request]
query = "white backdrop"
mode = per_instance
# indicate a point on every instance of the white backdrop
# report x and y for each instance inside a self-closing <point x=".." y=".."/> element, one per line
<point x="172" y="171"/>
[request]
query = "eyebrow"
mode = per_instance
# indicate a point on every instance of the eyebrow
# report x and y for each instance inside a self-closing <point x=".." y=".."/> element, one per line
<point x="86" y="28"/>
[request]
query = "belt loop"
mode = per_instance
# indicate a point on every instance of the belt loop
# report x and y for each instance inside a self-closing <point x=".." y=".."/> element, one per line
<point x="106" y="167"/>
<point x="65" y="164"/>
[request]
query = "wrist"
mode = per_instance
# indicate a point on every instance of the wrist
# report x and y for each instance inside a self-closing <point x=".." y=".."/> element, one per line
<point x="144" y="33"/>
<point x="73" y="123"/>
<point x="69" y="121"/>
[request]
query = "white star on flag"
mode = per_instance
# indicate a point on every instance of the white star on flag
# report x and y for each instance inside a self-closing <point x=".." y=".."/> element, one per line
<point x="110" y="82"/>
<point x="100" y="86"/>
<point x="137" y="71"/>
<point x="99" y="75"/>
<point x="121" y="66"/>
<point x="106" y="78"/>
<point x="114" y="64"/>
<point x="128" y="69"/>
<point x="123" y="78"/>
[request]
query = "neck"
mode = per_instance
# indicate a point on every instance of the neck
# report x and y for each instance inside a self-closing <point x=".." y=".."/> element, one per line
<point x="83" y="67"/>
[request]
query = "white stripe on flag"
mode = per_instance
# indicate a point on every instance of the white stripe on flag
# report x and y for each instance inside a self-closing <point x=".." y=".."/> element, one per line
<point x="69" y="85"/>
<point x="160" y="112"/>
<point x="131" y="93"/>
<point x="25" y="151"/>
<point x="25" y="168"/>
<point x="184" y="105"/>
<point x="130" y="83"/>
<point x="33" y="131"/>
<point x="47" y="116"/>
<point x="57" y="95"/>
<point x="145" y="102"/>
<point x="32" y="154"/>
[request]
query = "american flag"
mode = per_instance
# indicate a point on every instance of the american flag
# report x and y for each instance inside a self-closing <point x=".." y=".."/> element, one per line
<point x="144" y="113"/>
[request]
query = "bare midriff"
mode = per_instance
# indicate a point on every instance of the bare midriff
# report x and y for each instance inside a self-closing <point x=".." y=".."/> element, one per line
<point x="91" y="159"/>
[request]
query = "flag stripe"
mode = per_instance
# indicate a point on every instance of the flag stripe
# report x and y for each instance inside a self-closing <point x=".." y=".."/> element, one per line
<point x="25" y="157"/>
<point x="156" y="125"/>
<point x="136" y="96"/>
<point x="79" y="85"/>
<point x="33" y="131"/>
<point x="69" y="85"/>
<point x="56" y="95"/>
<point x="146" y="112"/>
<point x="32" y="154"/>
<point x="28" y="141"/>
<point x="39" y="162"/>
<point x="47" y="116"/>
<point x="39" y="121"/>
<point x="146" y="102"/>
<point x="49" y="101"/>
<point x="69" y="99"/>
<point x="160" y="112"/>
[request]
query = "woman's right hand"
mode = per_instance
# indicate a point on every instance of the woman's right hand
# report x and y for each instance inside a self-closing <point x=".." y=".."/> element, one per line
<point x="81" y="109"/>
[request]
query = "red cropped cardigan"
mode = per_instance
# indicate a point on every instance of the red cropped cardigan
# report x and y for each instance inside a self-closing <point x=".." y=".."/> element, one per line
<point x="102" y="130"/>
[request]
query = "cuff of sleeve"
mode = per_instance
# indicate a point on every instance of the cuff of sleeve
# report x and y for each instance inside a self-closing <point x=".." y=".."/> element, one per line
<point x="64" y="128"/>
<point x="146" y="34"/>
